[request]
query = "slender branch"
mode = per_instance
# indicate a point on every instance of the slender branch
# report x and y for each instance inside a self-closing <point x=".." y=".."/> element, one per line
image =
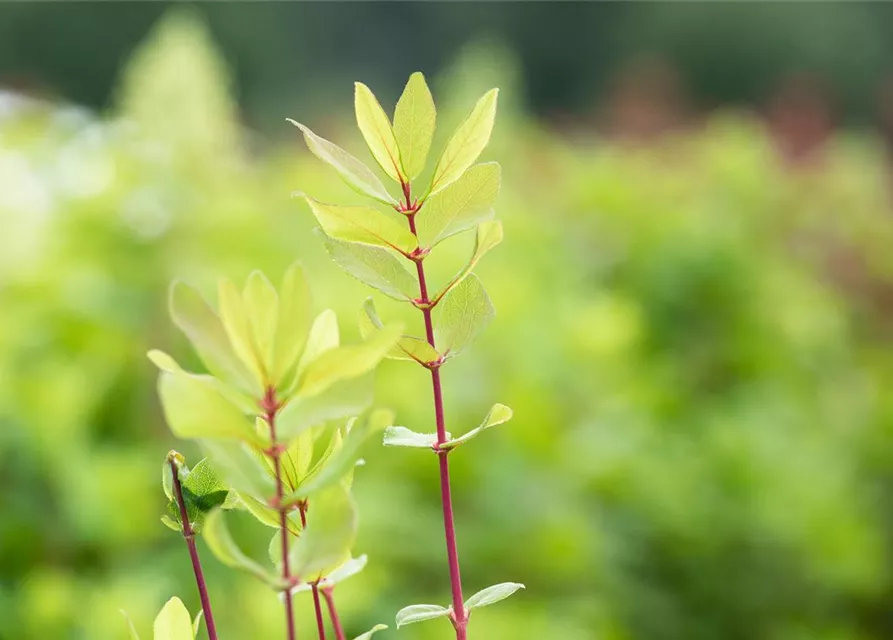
<point x="459" y="616"/>
<point x="189" y="535"/>
<point x="271" y="407"/>
<point x="320" y="623"/>
<point x="329" y="593"/>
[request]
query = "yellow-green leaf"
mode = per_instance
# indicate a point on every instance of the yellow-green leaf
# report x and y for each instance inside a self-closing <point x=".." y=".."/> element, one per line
<point x="371" y="632"/>
<point x="174" y="622"/>
<point x="262" y="308"/>
<point x="462" y="314"/>
<point x="375" y="266"/>
<point x="377" y="130"/>
<point x="362" y="224"/>
<point x="462" y="205"/>
<point x="238" y="328"/>
<point x="466" y="143"/>
<point x="222" y="545"/>
<point x="294" y="321"/>
<point x="331" y="531"/>
<point x="356" y="174"/>
<point x="407" y="347"/>
<point x="489" y="235"/>
<point x="498" y="414"/>
<point x="244" y="402"/>
<point x="341" y="400"/>
<point x="414" y="122"/>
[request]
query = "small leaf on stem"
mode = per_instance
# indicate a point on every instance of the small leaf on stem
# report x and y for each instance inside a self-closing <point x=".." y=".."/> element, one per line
<point x="362" y="225"/>
<point x="371" y="631"/>
<point x="174" y="622"/>
<point x="493" y="594"/>
<point x="498" y="414"/>
<point x="489" y="234"/>
<point x="421" y="612"/>
<point x="414" y="122"/>
<point x="403" y="437"/>
<point x="374" y="266"/>
<point x="378" y="133"/>
<point x="407" y="348"/>
<point x="463" y="313"/>
<point x="461" y="206"/>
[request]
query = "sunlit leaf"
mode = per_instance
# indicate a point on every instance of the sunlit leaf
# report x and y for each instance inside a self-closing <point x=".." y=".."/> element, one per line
<point x="499" y="414"/>
<point x="348" y="569"/>
<point x="343" y="399"/>
<point x="330" y="534"/>
<point x="222" y="545"/>
<point x="466" y="143"/>
<point x="407" y="347"/>
<point x="352" y="171"/>
<point x="403" y="437"/>
<point x="461" y="206"/>
<point x="362" y="224"/>
<point x="174" y="622"/>
<point x="241" y="400"/>
<point x="462" y="314"/>
<point x="489" y="235"/>
<point x="294" y="321"/>
<point x="239" y="467"/>
<point x="421" y="612"/>
<point x="235" y="320"/>
<point x="262" y="308"/>
<point x="376" y="129"/>
<point x="371" y="632"/>
<point x="374" y="266"/>
<point x="492" y="594"/>
<point x="202" y="493"/>
<point x="414" y="122"/>
<point x="266" y="515"/>
<point x="295" y="462"/>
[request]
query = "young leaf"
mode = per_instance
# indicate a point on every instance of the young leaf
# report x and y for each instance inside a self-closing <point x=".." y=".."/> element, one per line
<point x="463" y="205"/>
<point x="174" y="622"/>
<point x="324" y="335"/>
<point x="376" y="129"/>
<point x="498" y="414"/>
<point x="223" y="546"/>
<point x="464" y="312"/>
<point x="347" y="570"/>
<point x="341" y="400"/>
<point x="414" y="121"/>
<point x="353" y="172"/>
<point x="407" y="348"/>
<point x="243" y="401"/>
<point x="344" y="363"/>
<point x="466" y="143"/>
<point x="195" y="409"/>
<point x="362" y="224"/>
<point x="420" y="612"/>
<point x="295" y="462"/>
<point x="493" y="594"/>
<point x="330" y="533"/>
<point x="202" y="493"/>
<point x="371" y="632"/>
<point x="266" y="515"/>
<point x="203" y="328"/>
<point x="239" y="467"/>
<point x="403" y="437"/>
<point x="262" y="309"/>
<point x="294" y="321"/>
<point x="375" y="266"/>
<point x="488" y="236"/>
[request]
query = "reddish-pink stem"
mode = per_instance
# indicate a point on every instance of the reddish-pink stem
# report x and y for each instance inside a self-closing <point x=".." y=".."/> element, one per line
<point x="329" y="593"/>
<point x="189" y="535"/>
<point x="459" y="617"/>
<point x="320" y="623"/>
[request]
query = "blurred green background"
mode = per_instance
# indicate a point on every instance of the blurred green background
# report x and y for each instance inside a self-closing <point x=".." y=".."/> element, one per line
<point x="693" y="308"/>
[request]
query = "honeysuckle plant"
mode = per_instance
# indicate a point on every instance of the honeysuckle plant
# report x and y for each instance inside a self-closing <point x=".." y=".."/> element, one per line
<point x="385" y="244"/>
<point x="281" y="415"/>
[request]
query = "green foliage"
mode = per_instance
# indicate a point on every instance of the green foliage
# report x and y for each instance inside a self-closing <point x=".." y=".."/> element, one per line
<point x="420" y="613"/>
<point x="376" y="129"/>
<point x="172" y="623"/>
<point x="492" y="595"/>
<point x="414" y="122"/>
<point x="498" y="414"/>
<point x="201" y="489"/>
<point x="371" y="632"/>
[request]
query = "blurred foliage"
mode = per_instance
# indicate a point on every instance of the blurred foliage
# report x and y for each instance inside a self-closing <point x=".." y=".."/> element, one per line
<point x="694" y="338"/>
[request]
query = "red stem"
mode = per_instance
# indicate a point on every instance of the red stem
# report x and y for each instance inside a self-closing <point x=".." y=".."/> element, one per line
<point x="320" y="623"/>
<point x="189" y="535"/>
<point x="329" y="593"/>
<point x="271" y="406"/>
<point x="459" y="617"/>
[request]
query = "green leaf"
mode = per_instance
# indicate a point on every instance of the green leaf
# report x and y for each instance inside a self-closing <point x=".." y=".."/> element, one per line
<point x="493" y="594"/>
<point x="223" y="546"/>
<point x="464" y="312"/>
<point x="344" y="363"/>
<point x="461" y="206"/>
<point x="202" y="326"/>
<point x="376" y="129"/>
<point x="362" y="224"/>
<point x="352" y="171"/>
<point x="294" y="322"/>
<point x="421" y="612"/>
<point x="324" y="335"/>
<point x="295" y="462"/>
<point x="330" y="533"/>
<point x="374" y="266"/>
<point x="342" y="461"/>
<point x="238" y="328"/>
<point x="266" y="515"/>
<point x="243" y="401"/>
<point x="414" y="122"/>
<point x="197" y="622"/>
<point x="171" y="524"/>
<point x="407" y="347"/>
<point x="498" y="414"/>
<point x="262" y="308"/>
<point x="174" y="622"/>
<point x="239" y="467"/>
<point x="348" y="569"/>
<point x="343" y="399"/>
<point x="195" y="409"/>
<point x="371" y="632"/>
<point x="403" y="437"/>
<point x="466" y="143"/>
<point x="202" y="493"/>
<point x="133" y="634"/>
<point x="488" y="236"/>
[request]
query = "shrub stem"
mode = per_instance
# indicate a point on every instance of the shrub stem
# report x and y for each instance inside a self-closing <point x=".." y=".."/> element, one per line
<point x="329" y="594"/>
<point x="320" y="623"/>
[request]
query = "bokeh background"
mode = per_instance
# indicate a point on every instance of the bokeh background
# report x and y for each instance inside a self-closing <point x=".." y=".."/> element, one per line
<point x="694" y="308"/>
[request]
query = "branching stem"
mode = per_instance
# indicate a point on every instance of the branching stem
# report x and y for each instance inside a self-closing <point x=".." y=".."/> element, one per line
<point x="320" y="623"/>
<point x="329" y="594"/>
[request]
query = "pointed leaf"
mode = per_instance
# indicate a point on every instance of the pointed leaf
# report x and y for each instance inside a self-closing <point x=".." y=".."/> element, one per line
<point x="294" y="321"/>
<point x="262" y="309"/>
<point x="202" y="326"/>
<point x="343" y="399"/>
<point x="197" y="622"/>
<point x="330" y="534"/>
<point x="223" y="546"/>
<point x="371" y="632"/>
<point x="266" y="515"/>
<point x="462" y="314"/>
<point x="375" y="266"/>
<point x="414" y="122"/>
<point x="239" y="467"/>
<point x="498" y="414"/>
<point x="407" y="348"/>
<point x="362" y="224"/>
<point x="235" y="320"/>
<point x="403" y="437"/>
<point x="296" y="460"/>
<point x="488" y="236"/>
<point x="194" y="409"/>
<point x="241" y="400"/>
<point x="376" y="129"/>
<point x="419" y="613"/>
<point x="466" y="143"/>
<point x="493" y="594"/>
<point x="461" y="206"/>
<point x="174" y="622"/>
<point x="202" y="493"/>
<point x="352" y="171"/>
